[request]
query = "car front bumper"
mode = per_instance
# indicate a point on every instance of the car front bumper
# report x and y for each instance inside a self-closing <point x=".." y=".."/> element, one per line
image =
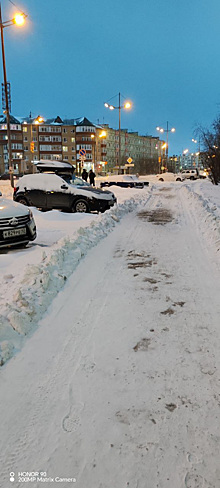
<point x="20" y="234"/>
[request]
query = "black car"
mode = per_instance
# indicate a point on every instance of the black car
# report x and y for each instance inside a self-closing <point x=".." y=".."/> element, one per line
<point x="17" y="225"/>
<point x="124" y="181"/>
<point x="50" y="191"/>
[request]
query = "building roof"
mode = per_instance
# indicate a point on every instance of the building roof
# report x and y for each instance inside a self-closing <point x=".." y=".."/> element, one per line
<point x="13" y="120"/>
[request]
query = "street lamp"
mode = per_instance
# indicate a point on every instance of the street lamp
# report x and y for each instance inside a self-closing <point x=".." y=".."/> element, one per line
<point x="126" y="106"/>
<point x="198" y="153"/>
<point x="102" y="135"/>
<point x="167" y="130"/>
<point x="18" y="20"/>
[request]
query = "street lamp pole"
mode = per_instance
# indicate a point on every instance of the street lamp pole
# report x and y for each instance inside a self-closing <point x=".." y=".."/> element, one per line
<point x="126" y="105"/>
<point x="167" y="130"/>
<point x="6" y="102"/>
<point x="119" y="132"/>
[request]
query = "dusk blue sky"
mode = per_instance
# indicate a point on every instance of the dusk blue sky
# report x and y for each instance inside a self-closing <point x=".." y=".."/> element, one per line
<point x="72" y="56"/>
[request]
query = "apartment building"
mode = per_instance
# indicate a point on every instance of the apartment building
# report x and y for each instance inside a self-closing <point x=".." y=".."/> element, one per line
<point x="145" y="151"/>
<point x="16" y="143"/>
<point x="77" y="141"/>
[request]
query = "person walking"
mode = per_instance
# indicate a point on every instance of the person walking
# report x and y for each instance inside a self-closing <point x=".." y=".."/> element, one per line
<point x="84" y="175"/>
<point x="92" y="177"/>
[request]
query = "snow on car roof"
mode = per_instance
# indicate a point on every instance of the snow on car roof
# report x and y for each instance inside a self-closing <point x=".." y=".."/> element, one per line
<point x="43" y="181"/>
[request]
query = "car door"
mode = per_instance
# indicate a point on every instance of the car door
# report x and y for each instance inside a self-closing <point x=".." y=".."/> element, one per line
<point x="58" y="194"/>
<point x="36" y="197"/>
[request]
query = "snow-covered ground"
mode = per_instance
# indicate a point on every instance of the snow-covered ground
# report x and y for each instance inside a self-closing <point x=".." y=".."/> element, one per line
<point x="112" y="325"/>
<point x="32" y="277"/>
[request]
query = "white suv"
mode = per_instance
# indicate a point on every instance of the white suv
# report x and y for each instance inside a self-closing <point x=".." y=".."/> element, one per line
<point x="191" y="174"/>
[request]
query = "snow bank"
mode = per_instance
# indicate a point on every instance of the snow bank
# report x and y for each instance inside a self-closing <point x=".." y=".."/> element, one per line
<point x="205" y="206"/>
<point x="42" y="280"/>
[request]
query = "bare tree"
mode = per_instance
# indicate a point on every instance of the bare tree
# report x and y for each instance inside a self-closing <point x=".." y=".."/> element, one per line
<point x="211" y="144"/>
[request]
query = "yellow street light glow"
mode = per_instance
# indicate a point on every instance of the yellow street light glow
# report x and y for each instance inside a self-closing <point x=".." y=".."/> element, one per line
<point x="164" y="146"/>
<point x="92" y="136"/>
<point x="127" y="105"/>
<point x="106" y="105"/>
<point x="173" y="130"/>
<point x="111" y="107"/>
<point x="103" y="134"/>
<point x="39" y="120"/>
<point x="161" y="130"/>
<point x="19" y="19"/>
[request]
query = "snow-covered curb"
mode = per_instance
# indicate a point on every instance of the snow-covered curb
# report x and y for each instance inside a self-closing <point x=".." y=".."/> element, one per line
<point x="42" y="282"/>
<point x="206" y="214"/>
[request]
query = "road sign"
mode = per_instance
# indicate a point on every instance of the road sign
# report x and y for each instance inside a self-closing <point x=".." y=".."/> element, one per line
<point x="82" y="158"/>
<point x="129" y="160"/>
<point x="82" y="152"/>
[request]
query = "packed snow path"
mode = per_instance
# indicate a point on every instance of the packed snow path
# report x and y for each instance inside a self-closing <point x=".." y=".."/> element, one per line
<point x="119" y="386"/>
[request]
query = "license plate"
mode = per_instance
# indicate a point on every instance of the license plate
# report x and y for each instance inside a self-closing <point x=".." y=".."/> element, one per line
<point x="14" y="233"/>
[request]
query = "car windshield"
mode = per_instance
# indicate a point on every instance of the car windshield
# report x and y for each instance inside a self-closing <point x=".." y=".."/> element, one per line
<point x="74" y="180"/>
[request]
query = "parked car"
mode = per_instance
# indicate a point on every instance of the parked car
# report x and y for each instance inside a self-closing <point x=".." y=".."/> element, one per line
<point x="191" y="174"/>
<point x="125" y="181"/>
<point x="50" y="191"/>
<point x="170" y="177"/>
<point x="7" y="176"/>
<point x="17" y="225"/>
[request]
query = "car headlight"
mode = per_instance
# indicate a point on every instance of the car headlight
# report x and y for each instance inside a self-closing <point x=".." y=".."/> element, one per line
<point x="30" y="214"/>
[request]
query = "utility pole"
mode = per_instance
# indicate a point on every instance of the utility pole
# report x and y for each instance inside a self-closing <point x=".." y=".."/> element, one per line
<point x="11" y="168"/>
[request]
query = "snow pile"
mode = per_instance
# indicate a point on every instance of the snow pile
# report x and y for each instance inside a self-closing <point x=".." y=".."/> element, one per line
<point x="43" y="280"/>
<point x="206" y="210"/>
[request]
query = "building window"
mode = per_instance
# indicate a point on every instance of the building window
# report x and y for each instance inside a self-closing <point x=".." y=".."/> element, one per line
<point x="24" y="129"/>
<point x="64" y="139"/>
<point x="65" y="148"/>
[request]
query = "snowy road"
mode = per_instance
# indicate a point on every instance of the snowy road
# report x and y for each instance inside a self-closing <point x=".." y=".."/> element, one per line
<point x="119" y="386"/>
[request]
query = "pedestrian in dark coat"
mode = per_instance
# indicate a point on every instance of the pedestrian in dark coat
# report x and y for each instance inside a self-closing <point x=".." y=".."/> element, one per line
<point x="84" y="175"/>
<point x="92" y="177"/>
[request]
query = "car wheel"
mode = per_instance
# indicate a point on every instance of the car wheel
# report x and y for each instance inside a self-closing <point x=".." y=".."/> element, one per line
<point x="192" y="178"/>
<point x="178" y="179"/>
<point x="22" y="200"/>
<point x="80" y="206"/>
<point x="161" y="179"/>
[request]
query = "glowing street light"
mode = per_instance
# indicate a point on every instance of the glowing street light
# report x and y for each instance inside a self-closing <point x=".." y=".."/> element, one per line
<point x="18" y="20"/>
<point x="39" y="120"/>
<point x="126" y="105"/>
<point x="167" y="130"/>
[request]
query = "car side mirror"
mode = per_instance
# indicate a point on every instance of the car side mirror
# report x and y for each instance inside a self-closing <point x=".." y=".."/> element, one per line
<point x="64" y="187"/>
